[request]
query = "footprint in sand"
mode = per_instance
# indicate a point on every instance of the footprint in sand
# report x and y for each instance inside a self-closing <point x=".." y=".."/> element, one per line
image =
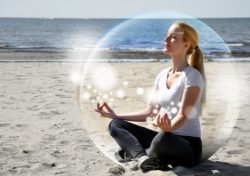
<point x="50" y="137"/>
<point x="9" y="148"/>
<point x="33" y="108"/>
<point x="236" y="151"/>
<point x="56" y="112"/>
<point x="20" y="125"/>
<point x="4" y="124"/>
<point x="64" y="142"/>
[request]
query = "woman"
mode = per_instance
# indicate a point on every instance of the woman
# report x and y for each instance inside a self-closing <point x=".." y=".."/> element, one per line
<point x="180" y="92"/>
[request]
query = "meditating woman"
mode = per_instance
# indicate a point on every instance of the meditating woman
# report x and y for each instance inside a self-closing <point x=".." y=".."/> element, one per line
<point x="180" y="93"/>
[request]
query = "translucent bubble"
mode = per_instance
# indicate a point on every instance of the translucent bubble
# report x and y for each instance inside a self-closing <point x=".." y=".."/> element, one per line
<point x="120" y="56"/>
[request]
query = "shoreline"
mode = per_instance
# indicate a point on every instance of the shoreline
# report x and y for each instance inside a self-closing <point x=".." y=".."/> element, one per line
<point x="65" y="56"/>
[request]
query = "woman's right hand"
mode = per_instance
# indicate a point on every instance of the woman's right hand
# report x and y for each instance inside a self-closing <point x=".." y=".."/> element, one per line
<point x="163" y="122"/>
<point x="105" y="113"/>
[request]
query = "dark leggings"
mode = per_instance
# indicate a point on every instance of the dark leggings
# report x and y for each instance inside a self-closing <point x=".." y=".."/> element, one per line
<point x="169" y="147"/>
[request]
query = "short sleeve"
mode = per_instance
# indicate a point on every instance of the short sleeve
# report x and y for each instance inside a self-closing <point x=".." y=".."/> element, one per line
<point x="194" y="78"/>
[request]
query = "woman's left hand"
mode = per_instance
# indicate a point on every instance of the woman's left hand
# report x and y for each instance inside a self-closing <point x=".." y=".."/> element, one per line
<point x="163" y="122"/>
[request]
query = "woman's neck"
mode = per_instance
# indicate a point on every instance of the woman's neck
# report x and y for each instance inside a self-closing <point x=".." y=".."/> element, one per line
<point x="178" y="64"/>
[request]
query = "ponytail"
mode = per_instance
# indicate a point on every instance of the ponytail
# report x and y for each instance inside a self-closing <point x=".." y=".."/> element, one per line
<point x="196" y="60"/>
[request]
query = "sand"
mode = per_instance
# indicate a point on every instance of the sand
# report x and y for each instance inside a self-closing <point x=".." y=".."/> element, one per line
<point x="43" y="132"/>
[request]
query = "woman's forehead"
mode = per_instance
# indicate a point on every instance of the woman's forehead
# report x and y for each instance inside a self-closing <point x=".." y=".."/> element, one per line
<point x="174" y="29"/>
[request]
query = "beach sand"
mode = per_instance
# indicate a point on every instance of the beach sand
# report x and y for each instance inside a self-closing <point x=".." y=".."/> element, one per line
<point x="43" y="132"/>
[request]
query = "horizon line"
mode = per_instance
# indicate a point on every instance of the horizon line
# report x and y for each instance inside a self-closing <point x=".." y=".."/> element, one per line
<point x="114" y="17"/>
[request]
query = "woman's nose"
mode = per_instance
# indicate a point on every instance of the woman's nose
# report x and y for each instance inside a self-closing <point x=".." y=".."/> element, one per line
<point x="167" y="38"/>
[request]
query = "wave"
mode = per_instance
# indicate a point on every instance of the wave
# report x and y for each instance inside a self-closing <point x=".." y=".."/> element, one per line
<point x="235" y="44"/>
<point x="238" y="49"/>
<point x="208" y="48"/>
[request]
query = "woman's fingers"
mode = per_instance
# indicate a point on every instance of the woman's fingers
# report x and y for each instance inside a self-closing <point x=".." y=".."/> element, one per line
<point x="158" y="121"/>
<point x="108" y="108"/>
<point x="102" y="113"/>
<point x="162" y="120"/>
<point x="103" y="104"/>
<point x="107" y="112"/>
<point x="100" y="107"/>
<point x="155" y="121"/>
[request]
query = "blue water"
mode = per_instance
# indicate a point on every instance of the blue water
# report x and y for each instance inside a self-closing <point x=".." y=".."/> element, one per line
<point x="18" y="34"/>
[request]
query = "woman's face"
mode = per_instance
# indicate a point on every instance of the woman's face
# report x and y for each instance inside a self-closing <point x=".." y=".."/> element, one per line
<point x="174" y="42"/>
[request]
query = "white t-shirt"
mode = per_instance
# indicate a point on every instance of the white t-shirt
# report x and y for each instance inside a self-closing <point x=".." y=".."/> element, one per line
<point x="170" y="99"/>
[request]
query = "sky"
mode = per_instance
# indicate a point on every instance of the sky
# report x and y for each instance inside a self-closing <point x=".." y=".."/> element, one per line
<point x="122" y="9"/>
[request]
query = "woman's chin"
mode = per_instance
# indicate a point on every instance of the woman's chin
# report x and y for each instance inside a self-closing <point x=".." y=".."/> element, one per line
<point x="166" y="51"/>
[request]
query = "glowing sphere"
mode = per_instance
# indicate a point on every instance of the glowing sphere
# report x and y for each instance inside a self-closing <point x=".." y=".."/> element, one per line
<point x="123" y="76"/>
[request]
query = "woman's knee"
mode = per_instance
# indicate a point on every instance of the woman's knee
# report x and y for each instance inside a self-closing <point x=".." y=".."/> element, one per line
<point x="158" y="145"/>
<point x="161" y="138"/>
<point x="113" y="126"/>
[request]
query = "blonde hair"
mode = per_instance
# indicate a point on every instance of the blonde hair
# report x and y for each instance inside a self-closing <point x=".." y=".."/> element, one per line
<point x="195" y="58"/>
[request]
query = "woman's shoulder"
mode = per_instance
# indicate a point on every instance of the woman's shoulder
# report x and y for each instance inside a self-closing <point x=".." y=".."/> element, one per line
<point x="193" y="72"/>
<point x="193" y="77"/>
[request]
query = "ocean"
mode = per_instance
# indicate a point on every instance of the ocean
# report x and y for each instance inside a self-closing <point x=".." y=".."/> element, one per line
<point x="218" y="36"/>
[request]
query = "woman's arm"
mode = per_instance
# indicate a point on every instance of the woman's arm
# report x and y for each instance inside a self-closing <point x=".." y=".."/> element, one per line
<point x="189" y="98"/>
<point x="139" y="116"/>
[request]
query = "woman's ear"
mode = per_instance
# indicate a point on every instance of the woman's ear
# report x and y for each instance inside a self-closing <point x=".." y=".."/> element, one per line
<point x="187" y="44"/>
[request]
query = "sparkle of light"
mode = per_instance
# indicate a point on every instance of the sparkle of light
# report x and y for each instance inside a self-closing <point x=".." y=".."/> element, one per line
<point x="174" y="110"/>
<point x="86" y="95"/>
<point x="89" y="86"/>
<point x="139" y="91"/>
<point x="104" y="77"/>
<point x="75" y="77"/>
<point x="125" y="83"/>
<point x="105" y="96"/>
<point x="155" y="111"/>
<point x="120" y="94"/>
